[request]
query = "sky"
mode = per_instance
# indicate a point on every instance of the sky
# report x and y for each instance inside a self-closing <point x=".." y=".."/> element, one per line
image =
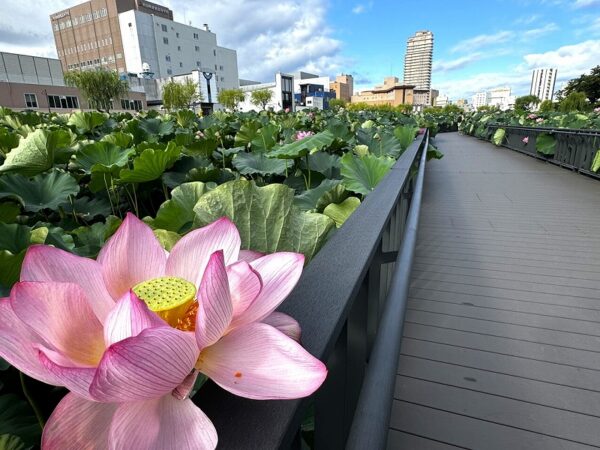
<point x="478" y="44"/>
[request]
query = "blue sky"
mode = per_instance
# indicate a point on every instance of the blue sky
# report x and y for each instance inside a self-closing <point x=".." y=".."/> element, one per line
<point x="478" y="44"/>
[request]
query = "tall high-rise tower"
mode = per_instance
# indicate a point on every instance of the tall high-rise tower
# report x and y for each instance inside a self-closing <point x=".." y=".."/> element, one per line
<point x="542" y="83"/>
<point x="417" y="63"/>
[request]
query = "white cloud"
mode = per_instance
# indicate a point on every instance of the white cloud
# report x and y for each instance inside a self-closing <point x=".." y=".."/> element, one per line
<point x="537" y="32"/>
<point x="585" y="3"/>
<point x="26" y="29"/>
<point x="482" y="40"/>
<point x="269" y="35"/>
<point x="570" y="60"/>
<point x="362" y="8"/>
<point x="441" y="65"/>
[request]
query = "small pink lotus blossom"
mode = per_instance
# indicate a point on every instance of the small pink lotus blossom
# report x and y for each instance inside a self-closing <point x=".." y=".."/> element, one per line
<point x="286" y="110"/>
<point x="597" y="110"/>
<point x="539" y="120"/>
<point x="199" y="134"/>
<point x="525" y="140"/>
<point x="303" y="134"/>
<point x="128" y="334"/>
<point x="532" y="116"/>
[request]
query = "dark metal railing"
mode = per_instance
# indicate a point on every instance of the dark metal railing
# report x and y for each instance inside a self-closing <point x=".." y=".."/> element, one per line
<point x="340" y="303"/>
<point x="575" y="149"/>
<point x="372" y="416"/>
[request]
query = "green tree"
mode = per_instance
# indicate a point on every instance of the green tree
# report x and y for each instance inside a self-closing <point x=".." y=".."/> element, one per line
<point x="526" y="103"/>
<point x="546" y="106"/>
<point x="180" y="95"/>
<point x="261" y="97"/>
<point x="99" y="87"/>
<point x="575" y="101"/>
<point x="335" y="103"/>
<point x="589" y="84"/>
<point x="231" y="98"/>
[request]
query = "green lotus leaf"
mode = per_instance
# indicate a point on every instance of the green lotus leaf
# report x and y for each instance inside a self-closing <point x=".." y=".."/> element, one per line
<point x="9" y="212"/>
<point x="17" y="419"/>
<point x="258" y="163"/>
<point x="86" y="122"/>
<point x="88" y="207"/>
<point x="323" y="163"/>
<point x="167" y="238"/>
<point x="339" y="212"/>
<point x="177" y="214"/>
<point x="498" y="137"/>
<point x="596" y="162"/>
<point x="151" y="164"/>
<point x="156" y="127"/>
<point x="433" y="153"/>
<point x="36" y="152"/>
<point x="89" y="240"/>
<point x="405" y="135"/>
<point x="11" y="442"/>
<point x="8" y="140"/>
<point x="102" y="156"/>
<point x="118" y="138"/>
<point x="362" y="174"/>
<point x="337" y="194"/>
<point x="304" y="146"/>
<point x="266" y="217"/>
<point x="308" y="200"/>
<point x="545" y="143"/>
<point x="45" y="191"/>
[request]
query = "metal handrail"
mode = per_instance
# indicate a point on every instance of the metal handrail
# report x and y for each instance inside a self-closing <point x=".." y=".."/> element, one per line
<point x="372" y="416"/>
<point x="338" y="302"/>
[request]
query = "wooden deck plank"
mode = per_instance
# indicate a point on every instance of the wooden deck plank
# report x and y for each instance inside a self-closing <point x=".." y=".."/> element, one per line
<point x="501" y="343"/>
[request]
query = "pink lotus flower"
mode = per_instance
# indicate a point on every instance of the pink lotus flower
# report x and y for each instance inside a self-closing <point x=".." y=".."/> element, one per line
<point x="128" y="333"/>
<point x="303" y="134"/>
<point x="286" y="110"/>
<point x="532" y="116"/>
<point x="525" y="140"/>
<point x="597" y="110"/>
<point x="539" y="120"/>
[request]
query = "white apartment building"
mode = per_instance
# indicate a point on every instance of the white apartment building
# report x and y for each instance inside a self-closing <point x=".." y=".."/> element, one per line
<point x="418" y="62"/>
<point x="442" y="100"/>
<point x="480" y="99"/>
<point x="501" y="98"/>
<point x="283" y="94"/>
<point x="542" y="83"/>
<point x="165" y="48"/>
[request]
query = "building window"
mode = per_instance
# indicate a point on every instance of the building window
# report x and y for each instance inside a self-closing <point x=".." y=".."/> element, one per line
<point x="179" y="47"/>
<point x="177" y="34"/>
<point x="198" y="64"/>
<point x="215" y="67"/>
<point x="168" y="58"/>
<point x="222" y="78"/>
<point x="133" y="105"/>
<point x="197" y="48"/>
<point x="63" y="101"/>
<point x="164" y="28"/>
<point x="31" y="101"/>
<point x="165" y="40"/>
<point x="180" y="64"/>
<point x="214" y="52"/>
<point x="196" y="36"/>
<point x="220" y="67"/>
<point x="169" y="71"/>
<point x="119" y="55"/>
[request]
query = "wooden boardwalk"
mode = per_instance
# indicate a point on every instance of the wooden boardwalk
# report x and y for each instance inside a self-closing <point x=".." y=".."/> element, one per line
<point x="501" y="345"/>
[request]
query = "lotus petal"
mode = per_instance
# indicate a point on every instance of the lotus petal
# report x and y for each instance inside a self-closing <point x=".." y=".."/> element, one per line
<point x="131" y="255"/>
<point x="189" y="257"/>
<point x="259" y="362"/>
